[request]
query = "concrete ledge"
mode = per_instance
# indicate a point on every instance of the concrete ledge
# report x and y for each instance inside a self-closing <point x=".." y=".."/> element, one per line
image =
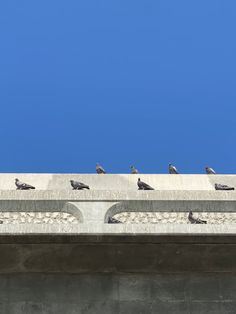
<point x="116" y="195"/>
<point x="112" y="182"/>
<point x="133" y="230"/>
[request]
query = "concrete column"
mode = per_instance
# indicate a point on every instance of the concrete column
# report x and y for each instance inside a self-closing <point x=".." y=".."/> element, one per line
<point x="89" y="211"/>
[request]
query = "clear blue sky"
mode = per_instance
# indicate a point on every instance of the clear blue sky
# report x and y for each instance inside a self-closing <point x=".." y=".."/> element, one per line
<point x="117" y="82"/>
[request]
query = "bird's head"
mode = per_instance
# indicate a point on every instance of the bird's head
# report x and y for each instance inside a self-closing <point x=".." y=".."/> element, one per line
<point x="71" y="181"/>
<point x="170" y="165"/>
<point x="138" y="179"/>
<point x="132" y="167"/>
<point x="16" y="180"/>
<point x="190" y="212"/>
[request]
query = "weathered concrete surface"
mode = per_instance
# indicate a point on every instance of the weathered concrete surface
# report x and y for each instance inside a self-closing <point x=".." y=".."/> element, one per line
<point x="97" y="206"/>
<point x="109" y="254"/>
<point x="94" y="267"/>
<point x="118" y="275"/>
<point x="118" y="294"/>
<point x="117" y="181"/>
<point x="115" y="194"/>
<point x="99" y="229"/>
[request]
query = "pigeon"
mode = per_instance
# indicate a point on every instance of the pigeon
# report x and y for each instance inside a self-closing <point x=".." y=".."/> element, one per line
<point x="195" y="220"/>
<point x="76" y="185"/>
<point x="23" y="186"/>
<point x="209" y="170"/>
<point x="172" y="169"/>
<point x="99" y="169"/>
<point x="134" y="170"/>
<point x="112" y="220"/>
<point x="223" y="187"/>
<point x="143" y="185"/>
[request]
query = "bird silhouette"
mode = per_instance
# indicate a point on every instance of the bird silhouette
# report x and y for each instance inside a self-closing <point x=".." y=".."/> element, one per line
<point x="143" y="186"/>
<point x="99" y="169"/>
<point x="194" y="220"/>
<point x="76" y="185"/>
<point x="172" y="169"/>
<point x="23" y="186"/>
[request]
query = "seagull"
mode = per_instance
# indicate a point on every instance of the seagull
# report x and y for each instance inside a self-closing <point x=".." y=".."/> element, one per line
<point x="78" y="185"/>
<point x="223" y="187"/>
<point x="195" y="220"/>
<point x="134" y="170"/>
<point x="112" y="220"/>
<point x="209" y="170"/>
<point x="143" y="185"/>
<point x="172" y="169"/>
<point x="99" y="169"/>
<point x="23" y="186"/>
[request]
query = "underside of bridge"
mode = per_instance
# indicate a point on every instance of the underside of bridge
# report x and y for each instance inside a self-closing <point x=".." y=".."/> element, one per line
<point x="89" y="266"/>
<point x="117" y="274"/>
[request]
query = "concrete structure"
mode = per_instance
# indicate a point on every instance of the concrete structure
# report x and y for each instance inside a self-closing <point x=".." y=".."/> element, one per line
<point x="95" y="267"/>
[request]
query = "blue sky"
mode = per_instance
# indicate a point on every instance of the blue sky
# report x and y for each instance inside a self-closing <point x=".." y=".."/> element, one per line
<point x="117" y="82"/>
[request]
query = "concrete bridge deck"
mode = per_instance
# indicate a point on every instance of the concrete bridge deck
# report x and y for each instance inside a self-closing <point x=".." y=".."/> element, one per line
<point x="94" y="267"/>
<point x="111" y="194"/>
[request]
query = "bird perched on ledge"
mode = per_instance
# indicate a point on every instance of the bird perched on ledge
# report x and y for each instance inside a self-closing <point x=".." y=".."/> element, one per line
<point x="143" y="185"/>
<point x="194" y="220"/>
<point x="134" y="170"/>
<point x="76" y="185"/>
<point x="23" y="186"/>
<point x="223" y="187"/>
<point x="172" y="169"/>
<point x="210" y="170"/>
<point x="112" y="220"/>
<point x="99" y="169"/>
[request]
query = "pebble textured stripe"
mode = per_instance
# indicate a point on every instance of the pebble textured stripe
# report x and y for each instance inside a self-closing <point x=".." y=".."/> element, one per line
<point x="125" y="217"/>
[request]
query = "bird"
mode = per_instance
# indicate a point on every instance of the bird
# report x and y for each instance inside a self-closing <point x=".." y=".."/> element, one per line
<point x="194" y="220"/>
<point x="99" y="169"/>
<point x="23" y="186"/>
<point x="172" y="169"/>
<point x="76" y="185"/>
<point x="112" y="220"/>
<point x="210" y="170"/>
<point x="143" y="185"/>
<point x="134" y="170"/>
<point x="223" y="187"/>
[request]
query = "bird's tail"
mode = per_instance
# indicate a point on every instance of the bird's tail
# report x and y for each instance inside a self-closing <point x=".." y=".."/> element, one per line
<point x="32" y="188"/>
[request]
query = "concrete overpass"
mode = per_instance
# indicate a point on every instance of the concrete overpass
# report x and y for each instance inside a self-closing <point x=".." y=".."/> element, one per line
<point x="96" y="267"/>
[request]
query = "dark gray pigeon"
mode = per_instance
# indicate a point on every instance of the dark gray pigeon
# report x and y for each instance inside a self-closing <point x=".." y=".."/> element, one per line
<point x="99" y="169"/>
<point x="23" y="186"/>
<point x="209" y="170"/>
<point x="134" y="170"/>
<point x="172" y="169"/>
<point x="194" y="220"/>
<point x="112" y="220"/>
<point x="143" y="185"/>
<point x="76" y="185"/>
<point x="223" y="187"/>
